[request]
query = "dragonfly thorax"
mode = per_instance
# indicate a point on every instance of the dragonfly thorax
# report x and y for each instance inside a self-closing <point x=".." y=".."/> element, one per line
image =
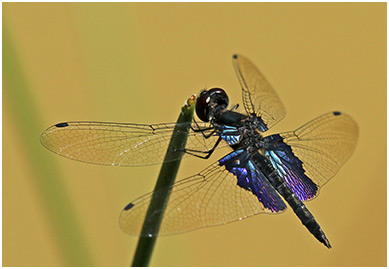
<point x="251" y="140"/>
<point x="239" y="130"/>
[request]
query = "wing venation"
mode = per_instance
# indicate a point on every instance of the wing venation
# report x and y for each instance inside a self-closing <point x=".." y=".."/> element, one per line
<point x="122" y="144"/>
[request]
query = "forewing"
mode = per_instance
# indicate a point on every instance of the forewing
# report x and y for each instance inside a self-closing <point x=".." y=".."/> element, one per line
<point x="258" y="95"/>
<point x="209" y="198"/>
<point x="122" y="144"/>
<point x="322" y="146"/>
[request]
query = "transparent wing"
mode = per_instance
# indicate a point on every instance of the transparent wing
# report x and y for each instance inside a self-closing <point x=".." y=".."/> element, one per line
<point x="212" y="197"/>
<point x="122" y="144"/>
<point x="322" y="146"/>
<point x="258" y="95"/>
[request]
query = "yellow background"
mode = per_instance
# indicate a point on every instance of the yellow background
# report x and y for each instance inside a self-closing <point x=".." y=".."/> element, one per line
<point x="131" y="62"/>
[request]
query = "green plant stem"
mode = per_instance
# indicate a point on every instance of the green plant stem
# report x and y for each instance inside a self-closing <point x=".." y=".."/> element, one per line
<point x="166" y="179"/>
<point x="55" y="199"/>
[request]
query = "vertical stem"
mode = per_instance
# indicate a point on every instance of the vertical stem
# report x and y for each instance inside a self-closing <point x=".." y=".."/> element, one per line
<point x="166" y="178"/>
<point x="26" y="116"/>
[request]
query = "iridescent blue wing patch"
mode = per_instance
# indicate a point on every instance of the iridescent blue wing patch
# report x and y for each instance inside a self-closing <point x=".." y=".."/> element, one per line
<point x="290" y="168"/>
<point x="230" y="134"/>
<point x="211" y="197"/>
<point x="258" y="95"/>
<point x="250" y="178"/>
<point x="313" y="152"/>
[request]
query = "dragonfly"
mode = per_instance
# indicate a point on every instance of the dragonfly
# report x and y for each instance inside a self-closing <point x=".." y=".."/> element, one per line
<point x="261" y="174"/>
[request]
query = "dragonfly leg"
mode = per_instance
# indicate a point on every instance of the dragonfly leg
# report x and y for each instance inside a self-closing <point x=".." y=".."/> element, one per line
<point x="199" y="130"/>
<point x="208" y="153"/>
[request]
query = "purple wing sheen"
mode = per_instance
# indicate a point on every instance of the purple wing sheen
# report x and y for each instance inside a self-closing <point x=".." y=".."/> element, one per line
<point x="122" y="144"/>
<point x="290" y="168"/>
<point x="211" y="197"/>
<point x="311" y="155"/>
<point x="258" y="95"/>
<point x="251" y="178"/>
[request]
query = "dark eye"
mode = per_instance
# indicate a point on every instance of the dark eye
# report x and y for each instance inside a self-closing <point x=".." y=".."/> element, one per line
<point x="210" y="103"/>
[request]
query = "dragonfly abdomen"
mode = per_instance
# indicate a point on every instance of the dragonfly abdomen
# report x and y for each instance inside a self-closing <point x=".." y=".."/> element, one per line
<point x="298" y="207"/>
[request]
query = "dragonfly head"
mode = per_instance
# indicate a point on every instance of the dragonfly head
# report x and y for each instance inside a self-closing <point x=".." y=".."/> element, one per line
<point x="210" y="103"/>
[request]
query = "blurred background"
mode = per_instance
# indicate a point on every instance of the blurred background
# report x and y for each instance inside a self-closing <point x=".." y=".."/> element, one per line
<point x="139" y="62"/>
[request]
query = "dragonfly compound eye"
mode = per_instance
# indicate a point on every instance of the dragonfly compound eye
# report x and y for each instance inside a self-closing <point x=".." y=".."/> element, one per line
<point x="210" y="103"/>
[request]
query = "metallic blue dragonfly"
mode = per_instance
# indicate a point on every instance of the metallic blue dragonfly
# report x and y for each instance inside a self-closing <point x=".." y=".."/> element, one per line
<point x="258" y="176"/>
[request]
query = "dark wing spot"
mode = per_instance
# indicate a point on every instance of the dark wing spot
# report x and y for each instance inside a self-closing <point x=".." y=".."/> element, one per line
<point x="337" y="113"/>
<point x="63" y="124"/>
<point x="129" y="206"/>
<point x="235" y="56"/>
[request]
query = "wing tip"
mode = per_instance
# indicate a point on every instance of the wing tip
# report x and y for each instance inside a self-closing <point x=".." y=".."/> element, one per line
<point x="129" y="206"/>
<point x="62" y="124"/>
